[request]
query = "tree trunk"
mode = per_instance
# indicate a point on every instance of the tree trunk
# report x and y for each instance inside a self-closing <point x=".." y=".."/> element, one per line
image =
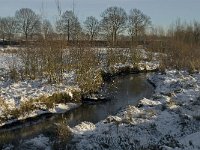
<point x="115" y="38"/>
<point x="68" y="31"/>
<point x="132" y="40"/>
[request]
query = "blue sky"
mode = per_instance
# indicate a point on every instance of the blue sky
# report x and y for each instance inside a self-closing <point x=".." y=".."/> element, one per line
<point x="162" y="12"/>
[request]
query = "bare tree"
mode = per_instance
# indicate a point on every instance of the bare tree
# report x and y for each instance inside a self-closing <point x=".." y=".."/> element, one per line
<point x="10" y="27"/>
<point x="92" y="27"/>
<point x="113" y="22"/>
<point x="76" y="29"/>
<point x="197" y="32"/>
<point x="2" y="29"/>
<point x="47" y="28"/>
<point x="58" y="6"/>
<point x="28" y="23"/>
<point x="137" y="23"/>
<point x="69" y="25"/>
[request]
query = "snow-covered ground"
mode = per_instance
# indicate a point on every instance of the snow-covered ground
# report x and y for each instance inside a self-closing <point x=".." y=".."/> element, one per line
<point x="14" y="93"/>
<point x="169" y="120"/>
<point x="40" y="142"/>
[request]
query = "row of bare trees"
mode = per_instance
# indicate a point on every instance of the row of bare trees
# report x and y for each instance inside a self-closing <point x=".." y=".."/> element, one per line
<point x="114" y="21"/>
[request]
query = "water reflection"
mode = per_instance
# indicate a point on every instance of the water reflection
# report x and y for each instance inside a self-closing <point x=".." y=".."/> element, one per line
<point x="123" y="90"/>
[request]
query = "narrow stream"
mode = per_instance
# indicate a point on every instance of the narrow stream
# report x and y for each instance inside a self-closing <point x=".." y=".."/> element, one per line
<point x="123" y="91"/>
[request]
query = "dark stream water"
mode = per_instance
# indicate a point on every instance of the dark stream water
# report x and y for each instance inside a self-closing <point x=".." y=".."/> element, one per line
<point x="122" y="90"/>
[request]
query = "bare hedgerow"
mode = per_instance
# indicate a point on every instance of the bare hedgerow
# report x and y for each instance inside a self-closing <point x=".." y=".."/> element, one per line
<point x="183" y="46"/>
<point x="46" y="60"/>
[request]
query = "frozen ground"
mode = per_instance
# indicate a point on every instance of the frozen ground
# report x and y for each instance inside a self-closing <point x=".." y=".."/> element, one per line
<point x="169" y="120"/>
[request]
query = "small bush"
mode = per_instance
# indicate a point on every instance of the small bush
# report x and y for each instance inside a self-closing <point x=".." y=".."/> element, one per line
<point x="14" y="74"/>
<point x="60" y="98"/>
<point x="15" y="113"/>
<point x="26" y="108"/>
<point x="76" y="95"/>
<point x="56" y="98"/>
<point x="90" y="81"/>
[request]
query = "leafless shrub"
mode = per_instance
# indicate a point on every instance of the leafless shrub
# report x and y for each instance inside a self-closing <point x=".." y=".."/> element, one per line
<point x="89" y="76"/>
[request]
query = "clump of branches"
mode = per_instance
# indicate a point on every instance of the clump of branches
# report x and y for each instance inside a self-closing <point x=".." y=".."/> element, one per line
<point x="88" y="73"/>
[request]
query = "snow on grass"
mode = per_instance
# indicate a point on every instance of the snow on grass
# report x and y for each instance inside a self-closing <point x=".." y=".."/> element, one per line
<point x="62" y="108"/>
<point x="8" y="48"/>
<point x="191" y="141"/>
<point x="84" y="126"/>
<point x="169" y="120"/>
<point x="40" y="142"/>
<point x="57" y="109"/>
<point x="13" y="94"/>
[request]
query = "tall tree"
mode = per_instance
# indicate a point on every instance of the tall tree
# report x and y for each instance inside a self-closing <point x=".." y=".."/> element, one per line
<point x="137" y="23"/>
<point x="92" y="27"/>
<point x="10" y="27"/>
<point x="69" y="25"/>
<point x="113" y="22"/>
<point x="47" y="28"/>
<point x="2" y="29"/>
<point x="28" y="23"/>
